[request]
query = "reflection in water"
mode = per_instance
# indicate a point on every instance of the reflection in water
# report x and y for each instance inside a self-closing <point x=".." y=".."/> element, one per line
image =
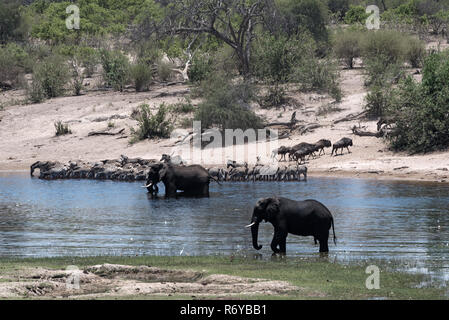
<point x="400" y="222"/>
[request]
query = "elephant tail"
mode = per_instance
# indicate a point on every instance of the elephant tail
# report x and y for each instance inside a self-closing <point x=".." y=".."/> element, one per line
<point x="333" y="230"/>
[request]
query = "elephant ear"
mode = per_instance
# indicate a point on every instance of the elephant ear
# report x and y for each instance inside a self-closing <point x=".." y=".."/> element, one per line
<point x="272" y="208"/>
<point x="163" y="172"/>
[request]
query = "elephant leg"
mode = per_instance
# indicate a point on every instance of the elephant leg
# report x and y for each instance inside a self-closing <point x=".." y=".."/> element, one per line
<point x="323" y="242"/>
<point x="279" y="239"/>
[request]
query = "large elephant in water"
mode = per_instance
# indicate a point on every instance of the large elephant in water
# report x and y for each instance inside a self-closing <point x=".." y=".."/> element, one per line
<point x="302" y="218"/>
<point x="193" y="180"/>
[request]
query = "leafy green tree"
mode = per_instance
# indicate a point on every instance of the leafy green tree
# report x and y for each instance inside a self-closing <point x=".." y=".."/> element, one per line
<point x="356" y="14"/>
<point x="10" y="20"/>
<point x="346" y="45"/>
<point x="419" y="110"/>
<point x="116" y="68"/>
<point x="226" y="104"/>
<point x="300" y="15"/>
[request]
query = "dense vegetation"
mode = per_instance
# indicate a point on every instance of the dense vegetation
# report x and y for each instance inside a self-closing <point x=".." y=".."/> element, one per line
<point x="228" y="50"/>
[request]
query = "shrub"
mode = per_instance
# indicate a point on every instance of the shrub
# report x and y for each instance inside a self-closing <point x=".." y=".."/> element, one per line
<point x="346" y="46"/>
<point x="275" y="97"/>
<point x="419" y="110"/>
<point x="356" y="14"/>
<point x="380" y="71"/>
<point x="300" y="15"/>
<point x="115" y="69"/>
<point x="200" y="68"/>
<point x="61" y="128"/>
<point x="385" y="43"/>
<point x="377" y="100"/>
<point x="89" y="59"/>
<point x="226" y="104"/>
<point x="165" y="70"/>
<point x="183" y="107"/>
<point x="275" y="57"/>
<point x="321" y="75"/>
<point x="151" y="126"/>
<point x="141" y="75"/>
<point x="51" y="75"/>
<point x="415" y="51"/>
<point x="10" y="70"/>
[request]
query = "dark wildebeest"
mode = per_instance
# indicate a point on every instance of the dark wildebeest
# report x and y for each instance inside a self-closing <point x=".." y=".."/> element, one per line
<point x="282" y="150"/>
<point x="340" y="144"/>
<point x="320" y="145"/>
<point x="310" y="148"/>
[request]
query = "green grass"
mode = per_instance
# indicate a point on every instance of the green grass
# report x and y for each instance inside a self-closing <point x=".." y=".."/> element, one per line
<point x="315" y="278"/>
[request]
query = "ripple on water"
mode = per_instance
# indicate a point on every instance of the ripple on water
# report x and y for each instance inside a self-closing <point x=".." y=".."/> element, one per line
<point x="403" y="224"/>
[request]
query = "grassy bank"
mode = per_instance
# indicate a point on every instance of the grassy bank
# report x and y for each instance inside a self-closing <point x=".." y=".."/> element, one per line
<point x="315" y="278"/>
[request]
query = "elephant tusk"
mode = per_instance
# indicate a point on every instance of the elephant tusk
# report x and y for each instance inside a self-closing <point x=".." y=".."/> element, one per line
<point x="147" y="186"/>
<point x="250" y="225"/>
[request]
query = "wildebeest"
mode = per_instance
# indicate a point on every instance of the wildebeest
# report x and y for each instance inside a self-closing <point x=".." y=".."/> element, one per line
<point x="340" y="144"/>
<point x="282" y="150"/>
<point x="307" y="149"/>
<point x="321" y="144"/>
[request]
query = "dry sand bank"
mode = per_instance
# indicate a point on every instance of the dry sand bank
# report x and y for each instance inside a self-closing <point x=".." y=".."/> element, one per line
<point x="27" y="132"/>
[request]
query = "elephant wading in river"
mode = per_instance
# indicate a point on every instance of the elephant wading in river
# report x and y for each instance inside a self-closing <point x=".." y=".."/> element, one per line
<point x="302" y="218"/>
<point x="193" y="180"/>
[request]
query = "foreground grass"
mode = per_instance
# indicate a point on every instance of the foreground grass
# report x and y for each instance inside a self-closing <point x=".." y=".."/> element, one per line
<point x="315" y="278"/>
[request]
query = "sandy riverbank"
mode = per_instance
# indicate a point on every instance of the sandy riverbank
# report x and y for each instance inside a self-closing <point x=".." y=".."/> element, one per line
<point x="27" y="132"/>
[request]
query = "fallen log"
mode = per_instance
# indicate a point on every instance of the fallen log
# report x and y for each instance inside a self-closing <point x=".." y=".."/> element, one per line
<point x="105" y="133"/>
<point x="361" y="133"/>
<point x="351" y="117"/>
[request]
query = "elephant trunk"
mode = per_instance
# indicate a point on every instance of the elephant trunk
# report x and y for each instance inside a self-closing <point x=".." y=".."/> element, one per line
<point x="255" y="232"/>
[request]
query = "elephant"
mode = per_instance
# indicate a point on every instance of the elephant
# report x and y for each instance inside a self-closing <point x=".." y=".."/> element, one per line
<point x="193" y="180"/>
<point x="302" y="218"/>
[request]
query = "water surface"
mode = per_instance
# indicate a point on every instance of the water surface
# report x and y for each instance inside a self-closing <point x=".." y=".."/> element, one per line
<point x="405" y="224"/>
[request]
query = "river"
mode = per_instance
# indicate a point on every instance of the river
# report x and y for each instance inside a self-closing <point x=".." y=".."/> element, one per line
<point x="402" y="224"/>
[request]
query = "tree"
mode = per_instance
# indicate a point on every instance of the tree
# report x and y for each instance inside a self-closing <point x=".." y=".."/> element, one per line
<point x="10" y="19"/>
<point x="231" y="21"/>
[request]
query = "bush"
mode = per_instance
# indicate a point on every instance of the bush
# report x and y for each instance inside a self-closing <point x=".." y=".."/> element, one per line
<point x="386" y="43"/>
<point x="226" y="104"/>
<point x="165" y="70"/>
<point x="377" y="100"/>
<point x="62" y="129"/>
<point x="415" y="51"/>
<point x="356" y="14"/>
<point x="346" y="46"/>
<point x="321" y="75"/>
<point x="309" y="15"/>
<point x="11" y="72"/>
<point x="10" y="20"/>
<point x="141" y="76"/>
<point x="419" y="110"/>
<point x="151" y="126"/>
<point x="115" y="69"/>
<point x="275" y="57"/>
<point x="380" y="71"/>
<point x="275" y="97"/>
<point x="183" y="107"/>
<point x="51" y="75"/>
<point x="200" y="68"/>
